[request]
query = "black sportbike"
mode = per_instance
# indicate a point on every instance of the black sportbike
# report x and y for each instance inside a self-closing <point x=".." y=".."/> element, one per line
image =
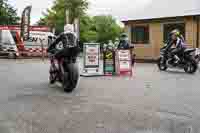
<point x="187" y="60"/>
<point x="65" y="69"/>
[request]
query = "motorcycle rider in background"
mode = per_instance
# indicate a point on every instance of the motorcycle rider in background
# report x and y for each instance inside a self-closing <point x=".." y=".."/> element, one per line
<point x="123" y="42"/>
<point x="177" y="42"/>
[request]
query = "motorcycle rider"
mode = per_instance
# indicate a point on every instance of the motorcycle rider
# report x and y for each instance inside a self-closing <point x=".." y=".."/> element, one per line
<point x="176" y="41"/>
<point x="124" y="42"/>
<point x="65" y="40"/>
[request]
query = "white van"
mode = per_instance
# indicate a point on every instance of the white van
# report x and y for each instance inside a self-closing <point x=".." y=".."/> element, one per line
<point x="8" y="46"/>
<point x="38" y="37"/>
<point x="38" y="43"/>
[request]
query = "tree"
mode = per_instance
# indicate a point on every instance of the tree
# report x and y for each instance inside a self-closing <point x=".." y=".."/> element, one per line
<point x="55" y="17"/>
<point x="87" y="30"/>
<point x="8" y="15"/>
<point x="76" y="8"/>
<point x="96" y="29"/>
<point x="106" y="28"/>
<point x="99" y="29"/>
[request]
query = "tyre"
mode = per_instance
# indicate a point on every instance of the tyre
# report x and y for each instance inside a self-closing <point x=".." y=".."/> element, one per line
<point x="191" y="67"/>
<point x="71" y="78"/>
<point x="12" y="56"/>
<point x="52" y="76"/>
<point x="52" y="79"/>
<point x="161" y="64"/>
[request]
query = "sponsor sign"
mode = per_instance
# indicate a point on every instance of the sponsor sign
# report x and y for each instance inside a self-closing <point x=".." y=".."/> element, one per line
<point x="91" y="63"/>
<point x="124" y="64"/>
<point x="92" y="52"/>
<point x="40" y="28"/>
<point x="109" y="62"/>
<point x="124" y="55"/>
<point x="37" y="37"/>
<point x="4" y="28"/>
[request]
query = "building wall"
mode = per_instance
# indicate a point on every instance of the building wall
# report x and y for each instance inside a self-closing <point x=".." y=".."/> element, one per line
<point x="191" y="31"/>
<point x="152" y="49"/>
<point x="199" y="33"/>
<point x="156" y="38"/>
<point x="156" y="31"/>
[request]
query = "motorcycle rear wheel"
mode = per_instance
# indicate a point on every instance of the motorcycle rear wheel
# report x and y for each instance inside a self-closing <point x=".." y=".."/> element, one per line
<point x="191" y="67"/>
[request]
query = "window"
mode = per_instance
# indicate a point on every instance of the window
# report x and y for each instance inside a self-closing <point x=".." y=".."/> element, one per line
<point x="140" y="34"/>
<point x="14" y="36"/>
<point x="170" y="27"/>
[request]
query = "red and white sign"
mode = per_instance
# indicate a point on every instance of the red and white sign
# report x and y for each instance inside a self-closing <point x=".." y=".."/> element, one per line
<point x="124" y="62"/>
<point x="32" y="28"/>
<point x="4" y="28"/>
<point x="124" y="55"/>
<point x="40" y="28"/>
<point x="124" y="65"/>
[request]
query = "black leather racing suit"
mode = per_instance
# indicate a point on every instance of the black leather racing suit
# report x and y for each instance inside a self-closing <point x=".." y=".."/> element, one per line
<point x="179" y="48"/>
<point x="123" y="45"/>
<point x="69" y="45"/>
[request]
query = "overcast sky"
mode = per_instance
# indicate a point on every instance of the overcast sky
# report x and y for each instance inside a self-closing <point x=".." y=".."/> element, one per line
<point x="118" y="8"/>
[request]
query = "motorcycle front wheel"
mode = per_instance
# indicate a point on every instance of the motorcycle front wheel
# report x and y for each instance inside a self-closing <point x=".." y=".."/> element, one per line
<point x="161" y="64"/>
<point x="71" y="77"/>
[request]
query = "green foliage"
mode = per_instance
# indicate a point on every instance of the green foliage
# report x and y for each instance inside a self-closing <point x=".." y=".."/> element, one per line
<point x="86" y="32"/>
<point x="107" y="28"/>
<point x="8" y="15"/>
<point x="56" y="16"/>
<point x="99" y="29"/>
<point x="76" y="8"/>
<point x="92" y="29"/>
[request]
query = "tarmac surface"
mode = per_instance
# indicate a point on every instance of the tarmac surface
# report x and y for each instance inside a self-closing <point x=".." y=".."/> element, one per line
<point x="150" y="101"/>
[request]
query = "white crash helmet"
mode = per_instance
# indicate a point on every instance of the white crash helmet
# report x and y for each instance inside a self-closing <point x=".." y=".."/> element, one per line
<point x="69" y="28"/>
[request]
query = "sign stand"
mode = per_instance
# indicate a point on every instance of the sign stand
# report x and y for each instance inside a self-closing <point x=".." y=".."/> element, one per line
<point x="91" y="61"/>
<point x="124" y="62"/>
<point x="109" y="63"/>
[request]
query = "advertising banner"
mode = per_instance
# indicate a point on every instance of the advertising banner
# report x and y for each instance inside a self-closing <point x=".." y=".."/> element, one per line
<point x="25" y="23"/>
<point x="92" y="52"/>
<point x="124" y="62"/>
<point x="91" y="60"/>
<point x="109" y="62"/>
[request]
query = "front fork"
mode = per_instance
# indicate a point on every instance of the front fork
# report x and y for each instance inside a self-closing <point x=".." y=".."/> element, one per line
<point x="162" y="61"/>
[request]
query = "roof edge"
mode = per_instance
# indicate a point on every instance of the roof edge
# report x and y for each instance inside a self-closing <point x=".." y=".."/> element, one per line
<point x="148" y="19"/>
